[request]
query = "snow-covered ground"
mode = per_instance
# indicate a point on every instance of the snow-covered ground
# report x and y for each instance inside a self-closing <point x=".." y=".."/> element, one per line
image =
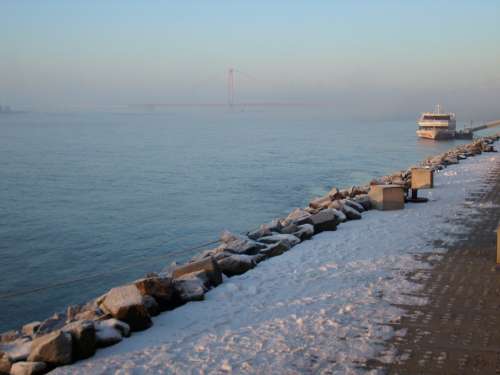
<point x="319" y="308"/>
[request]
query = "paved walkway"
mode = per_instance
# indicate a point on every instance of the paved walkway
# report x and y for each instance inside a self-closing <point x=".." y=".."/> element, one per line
<point x="458" y="331"/>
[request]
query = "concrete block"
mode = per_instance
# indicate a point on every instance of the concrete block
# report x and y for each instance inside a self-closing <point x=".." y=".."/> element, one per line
<point x="387" y="197"/>
<point x="422" y="178"/>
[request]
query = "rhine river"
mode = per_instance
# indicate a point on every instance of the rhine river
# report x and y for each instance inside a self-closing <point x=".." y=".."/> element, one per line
<point x="94" y="193"/>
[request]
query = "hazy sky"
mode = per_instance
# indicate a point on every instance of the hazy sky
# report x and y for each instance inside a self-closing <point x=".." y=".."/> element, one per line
<point x="377" y="57"/>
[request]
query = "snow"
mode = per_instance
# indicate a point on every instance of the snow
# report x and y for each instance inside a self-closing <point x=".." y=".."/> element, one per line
<point x="321" y="307"/>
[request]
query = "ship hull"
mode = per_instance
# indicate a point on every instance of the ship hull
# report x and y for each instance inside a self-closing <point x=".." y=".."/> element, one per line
<point x="435" y="134"/>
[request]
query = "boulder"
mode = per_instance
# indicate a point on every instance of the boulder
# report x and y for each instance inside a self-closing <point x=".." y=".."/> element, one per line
<point x="125" y="303"/>
<point x="55" y="322"/>
<point x="236" y="264"/>
<point x="161" y="288"/>
<point x="358" y="207"/>
<point x="289" y="229"/>
<point x="237" y="244"/>
<point x="275" y="249"/>
<point x="30" y="328"/>
<point x="189" y="288"/>
<point x="5" y="364"/>
<point x="152" y="306"/>
<point x="290" y="238"/>
<point x="310" y="211"/>
<point x="320" y="203"/>
<point x="340" y="215"/>
<point x="304" y="232"/>
<point x="275" y="225"/>
<point x="54" y="348"/>
<point x="120" y="326"/>
<point x="296" y="215"/>
<point x="9" y="336"/>
<point x="17" y="350"/>
<point x="326" y="220"/>
<point x="83" y="337"/>
<point x="364" y="200"/>
<point x="258" y="233"/>
<point x="335" y="194"/>
<point x="336" y="204"/>
<point x="107" y="336"/>
<point x="28" y="368"/>
<point x="351" y="213"/>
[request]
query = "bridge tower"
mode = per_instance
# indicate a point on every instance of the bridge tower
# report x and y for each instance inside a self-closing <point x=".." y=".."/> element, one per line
<point x="230" y="87"/>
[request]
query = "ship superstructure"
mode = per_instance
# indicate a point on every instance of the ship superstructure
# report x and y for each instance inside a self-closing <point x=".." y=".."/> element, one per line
<point x="437" y="125"/>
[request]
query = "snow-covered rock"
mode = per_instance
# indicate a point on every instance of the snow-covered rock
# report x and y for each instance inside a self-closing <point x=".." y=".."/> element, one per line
<point x="28" y="368"/>
<point x="54" y="348"/>
<point x="125" y="303"/>
<point x="83" y="338"/>
<point x="236" y="264"/>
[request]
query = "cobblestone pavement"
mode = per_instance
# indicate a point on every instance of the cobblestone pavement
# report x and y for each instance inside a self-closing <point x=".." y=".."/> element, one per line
<point x="458" y="331"/>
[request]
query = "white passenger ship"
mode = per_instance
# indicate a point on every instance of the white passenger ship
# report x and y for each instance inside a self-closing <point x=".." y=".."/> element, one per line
<point x="437" y="125"/>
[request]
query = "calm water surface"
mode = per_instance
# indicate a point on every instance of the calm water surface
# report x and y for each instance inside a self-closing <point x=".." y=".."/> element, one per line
<point x="85" y="193"/>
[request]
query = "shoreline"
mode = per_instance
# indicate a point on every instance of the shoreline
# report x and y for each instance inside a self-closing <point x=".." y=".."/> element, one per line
<point x="244" y="254"/>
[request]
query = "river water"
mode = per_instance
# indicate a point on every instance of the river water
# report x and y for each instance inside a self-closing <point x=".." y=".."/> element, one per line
<point x="94" y="193"/>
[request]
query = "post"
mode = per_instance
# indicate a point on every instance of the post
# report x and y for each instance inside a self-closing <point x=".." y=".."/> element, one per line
<point x="498" y="247"/>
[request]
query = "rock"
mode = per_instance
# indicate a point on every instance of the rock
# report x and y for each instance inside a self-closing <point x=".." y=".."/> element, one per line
<point x="162" y="289"/>
<point x="125" y="303"/>
<point x="237" y="244"/>
<point x="296" y="215"/>
<point x="17" y="350"/>
<point x="189" y="288"/>
<point x="261" y="232"/>
<point x="289" y="229"/>
<point x="351" y="213"/>
<point x="9" y="336"/>
<point x="236" y="264"/>
<point x="30" y="328"/>
<point x="335" y="194"/>
<point x="83" y="336"/>
<point x="120" y="326"/>
<point x="152" y="306"/>
<point x="358" y="207"/>
<point x="364" y="200"/>
<point x="5" y="364"/>
<point x="310" y="211"/>
<point x="54" y="348"/>
<point x="326" y="220"/>
<point x="107" y="336"/>
<point x="304" y="232"/>
<point x="28" y="368"/>
<point x="320" y="203"/>
<point x="340" y="216"/>
<point x="275" y="225"/>
<point x="290" y="238"/>
<point x="55" y="322"/>
<point x="209" y="265"/>
<point x="275" y="249"/>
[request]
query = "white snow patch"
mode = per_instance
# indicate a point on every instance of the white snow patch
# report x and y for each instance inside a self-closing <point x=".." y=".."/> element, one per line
<point x="321" y="307"/>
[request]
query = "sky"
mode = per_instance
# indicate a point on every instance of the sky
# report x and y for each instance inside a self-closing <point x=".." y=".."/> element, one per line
<point x="377" y="58"/>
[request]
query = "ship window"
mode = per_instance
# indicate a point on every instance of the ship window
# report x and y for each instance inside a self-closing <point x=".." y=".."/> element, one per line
<point x="436" y="117"/>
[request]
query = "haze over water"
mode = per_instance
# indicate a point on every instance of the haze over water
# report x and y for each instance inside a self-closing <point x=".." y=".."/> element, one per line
<point x="89" y="193"/>
<point x="84" y="190"/>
